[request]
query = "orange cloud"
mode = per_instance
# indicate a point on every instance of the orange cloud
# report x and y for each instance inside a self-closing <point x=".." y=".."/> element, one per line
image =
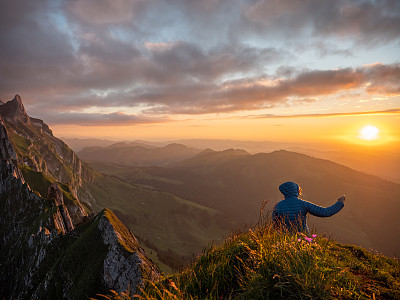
<point x="394" y="111"/>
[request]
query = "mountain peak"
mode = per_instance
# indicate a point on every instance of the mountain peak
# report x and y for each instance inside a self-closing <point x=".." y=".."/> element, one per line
<point x="17" y="98"/>
<point x="14" y="110"/>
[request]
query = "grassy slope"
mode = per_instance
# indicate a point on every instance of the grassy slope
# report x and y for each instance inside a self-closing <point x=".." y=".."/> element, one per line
<point x="244" y="181"/>
<point x="79" y="258"/>
<point x="265" y="264"/>
<point x="166" y="221"/>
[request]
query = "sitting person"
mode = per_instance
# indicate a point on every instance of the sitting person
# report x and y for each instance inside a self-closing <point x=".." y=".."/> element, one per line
<point x="291" y="213"/>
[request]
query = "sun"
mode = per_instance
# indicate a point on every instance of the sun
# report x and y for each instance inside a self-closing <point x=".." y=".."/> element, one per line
<point x="369" y="133"/>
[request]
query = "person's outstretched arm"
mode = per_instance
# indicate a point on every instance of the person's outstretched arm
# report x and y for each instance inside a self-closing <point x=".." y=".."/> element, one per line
<point x="320" y="211"/>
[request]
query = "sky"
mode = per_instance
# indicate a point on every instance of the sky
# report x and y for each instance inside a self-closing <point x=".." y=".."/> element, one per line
<point x="280" y="70"/>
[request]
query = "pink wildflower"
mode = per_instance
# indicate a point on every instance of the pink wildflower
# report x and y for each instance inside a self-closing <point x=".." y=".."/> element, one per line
<point x="308" y="239"/>
<point x="299" y="239"/>
<point x="314" y="236"/>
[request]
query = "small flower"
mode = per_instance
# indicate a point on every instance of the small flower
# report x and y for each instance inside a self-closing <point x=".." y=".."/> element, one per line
<point x="314" y="236"/>
<point x="308" y="239"/>
<point x="299" y="239"/>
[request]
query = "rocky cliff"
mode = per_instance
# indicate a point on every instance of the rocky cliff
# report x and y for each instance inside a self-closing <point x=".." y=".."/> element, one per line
<point x="51" y="246"/>
<point x="37" y="151"/>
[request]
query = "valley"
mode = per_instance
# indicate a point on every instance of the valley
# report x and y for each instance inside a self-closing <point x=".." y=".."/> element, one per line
<point x="174" y="201"/>
<point x="234" y="183"/>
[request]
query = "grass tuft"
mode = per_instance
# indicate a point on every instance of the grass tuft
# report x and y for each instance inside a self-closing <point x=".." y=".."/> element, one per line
<point x="264" y="263"/>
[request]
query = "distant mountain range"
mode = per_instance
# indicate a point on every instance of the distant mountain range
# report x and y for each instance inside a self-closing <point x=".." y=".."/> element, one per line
<point x="371" y="160"/>
<point x="138" y="154"/>
<point x="235" y="183"/>
<point x="57" y="240"/>
<point x="78" y="144"/>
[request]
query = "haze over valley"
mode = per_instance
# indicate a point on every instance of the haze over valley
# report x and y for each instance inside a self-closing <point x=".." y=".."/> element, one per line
<point x="378" y="162"/>
<point x="233" y="183"/>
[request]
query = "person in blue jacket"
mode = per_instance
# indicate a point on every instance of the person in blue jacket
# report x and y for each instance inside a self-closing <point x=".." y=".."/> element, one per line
<point x="291" y="213"/>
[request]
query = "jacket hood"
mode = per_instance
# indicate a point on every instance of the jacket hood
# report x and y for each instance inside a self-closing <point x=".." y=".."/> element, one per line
<point x="289" y="189"/>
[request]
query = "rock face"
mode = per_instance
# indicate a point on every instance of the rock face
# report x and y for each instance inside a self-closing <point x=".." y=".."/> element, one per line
<point x="50" y="248"/>
<point x="125" y="264"/>
<point x="22" y="220"/>
<point x="14" y="111"/>
<point x="61" y="216"/>
<point x="6" y="149"/>
<point x="31" y="143"/>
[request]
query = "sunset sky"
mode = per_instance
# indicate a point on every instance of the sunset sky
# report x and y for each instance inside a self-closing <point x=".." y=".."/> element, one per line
<point x="298" y="70"/>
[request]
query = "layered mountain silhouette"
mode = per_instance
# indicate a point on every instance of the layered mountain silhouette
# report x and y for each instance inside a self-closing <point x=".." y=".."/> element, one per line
<point x="136" y="154"/>
<point x="235" y="183"/>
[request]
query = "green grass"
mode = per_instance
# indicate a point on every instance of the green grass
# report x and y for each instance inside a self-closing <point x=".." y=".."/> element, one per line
<point x="167" y="221"/>
<point x="263" y="263"/>
<point x="40" y="182"/>
<point x="79" y="258"/>
<point x="20" y="143"/>
<point x="37" y="180"/>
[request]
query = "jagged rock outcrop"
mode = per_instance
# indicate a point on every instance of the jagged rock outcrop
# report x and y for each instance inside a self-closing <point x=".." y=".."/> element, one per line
<point x="6" y="149"/>
<point x="54" y="193"/>
<point x="38" y="261"/>
<point x="14" y="111"/>
<point x="61" y="217"/>
<point x="31" y="144"/>
<point x="43" y="127"/>
<point x="125" y="264"/>
<point x="20" y="209"/>
<point x="44" y="253"/>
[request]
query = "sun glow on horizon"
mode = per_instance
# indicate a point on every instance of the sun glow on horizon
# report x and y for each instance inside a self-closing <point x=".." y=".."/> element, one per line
<point x="369" y="133"/>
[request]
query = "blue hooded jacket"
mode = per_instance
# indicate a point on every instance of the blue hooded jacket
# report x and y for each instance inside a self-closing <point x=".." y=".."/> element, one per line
<point x="292" y="212"/>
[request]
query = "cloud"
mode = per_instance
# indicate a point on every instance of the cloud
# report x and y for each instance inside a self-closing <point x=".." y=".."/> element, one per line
<point x="181" y="61"/>
<point x="192" y="97"/>
<point x="260" y="93"/>
<point x="100" y="12"/>
<point x="365" y="21"/>
<point x="393" y="111"/>
<point x="188" y="56"/>
<point x="98" y="119"/>
<point x="383" y="79"/>
<point x="32" y="52"/>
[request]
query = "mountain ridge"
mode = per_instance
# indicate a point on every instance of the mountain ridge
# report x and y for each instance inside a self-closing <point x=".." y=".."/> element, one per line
<point x="51" y="244"/>
<point x="370" y="160"/>
<point x="137" y="154"/>
<point x="245" y="181"/>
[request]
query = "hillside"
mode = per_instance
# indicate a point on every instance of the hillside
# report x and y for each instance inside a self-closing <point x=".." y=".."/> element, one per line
<point x="52" y="246"/>
<point x="235" y="183"/>
<point x="44" y="159"/>
<point x="378" y="162"/>
<point x="45" y="255"/>
<point x="173" y="228"/>
<point x="262" y="265"/>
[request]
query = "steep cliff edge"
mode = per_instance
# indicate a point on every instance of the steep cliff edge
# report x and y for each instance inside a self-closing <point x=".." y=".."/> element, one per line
<point x="41" y="259"/>
<point x="38" y="153"/>
<point x="51" y="247"/>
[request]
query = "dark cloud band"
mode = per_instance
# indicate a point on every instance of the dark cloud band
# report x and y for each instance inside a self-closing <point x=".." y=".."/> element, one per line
<point x="187" y="57"/>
